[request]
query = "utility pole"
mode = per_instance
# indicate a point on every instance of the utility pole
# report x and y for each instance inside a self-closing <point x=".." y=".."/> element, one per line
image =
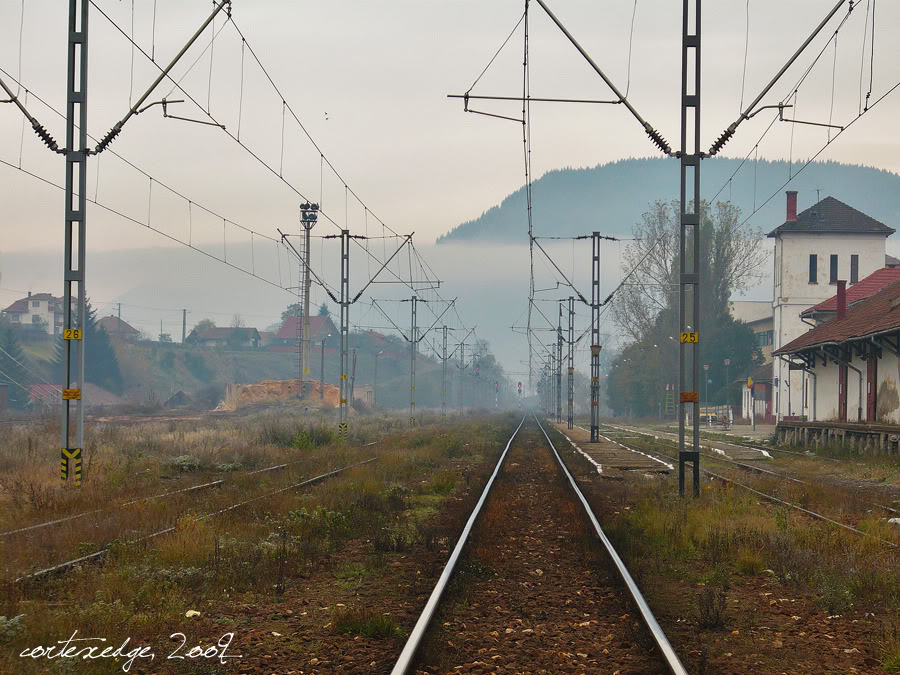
<point x="75" y="244"/>
<point x="728" y="390"/>
<point x="322" y="369"/>
<point x="183" y="325"/>
<point x="76" y="152"/>
<point x="462" y="370"/>
<point x="559" y="358"/>
<point x="571" y="415"/>
<point x="595" y="336"/>
<point x="690" y="218"/>
<point x="343" y="427"/>
<point x="352" y="375"/>
<point x="413" y="348"/>
<point x="309" y="214"/>
<point x="444" y="375"/>
<point x="706" y="397"/>
<point x="375" y="386"/>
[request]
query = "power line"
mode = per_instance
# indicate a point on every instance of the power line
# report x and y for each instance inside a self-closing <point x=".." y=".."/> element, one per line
<point x="148" y="226"/>
<point x="822" y="149"/>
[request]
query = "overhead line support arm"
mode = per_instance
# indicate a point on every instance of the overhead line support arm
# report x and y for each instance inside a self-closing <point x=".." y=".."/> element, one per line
<point x="39" y="129"/>
<point x="729" y="132"/>
<point x="117" y="129"/>
<point x="654" y="135"/>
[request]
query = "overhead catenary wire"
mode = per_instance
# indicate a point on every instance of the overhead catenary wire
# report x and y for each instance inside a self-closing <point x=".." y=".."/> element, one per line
<point x="149" y="227"/>
<point x="821" y="150"/>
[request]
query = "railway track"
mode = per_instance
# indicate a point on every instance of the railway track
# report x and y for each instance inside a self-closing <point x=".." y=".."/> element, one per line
<point x="29" y="529"/>
<point x="722" y="458"/>
<point x="770" y="498"/>
<point x="542" y="605"/>
<point x="99" y="555"/>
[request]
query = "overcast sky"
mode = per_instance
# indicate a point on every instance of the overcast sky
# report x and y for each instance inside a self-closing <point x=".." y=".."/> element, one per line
<point x="369" y="81"/>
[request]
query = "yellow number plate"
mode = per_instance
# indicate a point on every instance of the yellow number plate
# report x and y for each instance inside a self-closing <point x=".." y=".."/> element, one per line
<point x="692" y="338"/>
<point x="72" y="334"/>
<point x="71" y="394"/>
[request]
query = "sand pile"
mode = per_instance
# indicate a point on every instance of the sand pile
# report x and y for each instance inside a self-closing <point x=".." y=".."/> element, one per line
<point x="240" y="395"/>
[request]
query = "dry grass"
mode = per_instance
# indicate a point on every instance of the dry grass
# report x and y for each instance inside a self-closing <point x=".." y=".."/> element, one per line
<point x="142" y="589"/>
<point x="731" y="531"/>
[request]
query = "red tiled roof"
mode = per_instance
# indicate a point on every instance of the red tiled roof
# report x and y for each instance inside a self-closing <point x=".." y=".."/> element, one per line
<point x="832" y="215"/>
<point x="859" y="291"/>
<point x="289" y="327"/>
<point x="21" y="305"/>
<point x="113" y="325"/>
<point x="872" y="316"/>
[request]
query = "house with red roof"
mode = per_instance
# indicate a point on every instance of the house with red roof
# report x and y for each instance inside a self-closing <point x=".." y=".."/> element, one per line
<point x="814" y="249"/>
<point x="38" y="311"/>
<point x="865" y="288"/>
<point x="286" y="339"/>
<point x="851" y="361"/>
<point x="118" y="329"/>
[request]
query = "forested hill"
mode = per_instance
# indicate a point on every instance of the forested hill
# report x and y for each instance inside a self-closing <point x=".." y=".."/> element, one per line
<point x="610" y="198"/>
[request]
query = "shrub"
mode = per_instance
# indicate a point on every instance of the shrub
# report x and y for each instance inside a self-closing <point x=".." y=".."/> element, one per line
<point x="184" y="463"/>
<point x="10" y="629"/>
<point x="750" y="562"/>
<point x="442" y="483"/>
<point x="196" y="365"/>
<point x="395" y="538"/>
<point x="711" y="606"/>
<point x="366" y="624"/>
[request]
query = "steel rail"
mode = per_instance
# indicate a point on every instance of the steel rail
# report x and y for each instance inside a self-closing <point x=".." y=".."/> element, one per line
<point x="404" y="662"/>
<point x="97" y="555"/>
<point x="132" y="502"/>
<point x="758" y="469"/>
<point x="777" y="500"/>
<point x="659" y="637"/>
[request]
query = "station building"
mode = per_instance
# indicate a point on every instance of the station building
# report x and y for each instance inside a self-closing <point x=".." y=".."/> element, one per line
<point x="852" y="369"/>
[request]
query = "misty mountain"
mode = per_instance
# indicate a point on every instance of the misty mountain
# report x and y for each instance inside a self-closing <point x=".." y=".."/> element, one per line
<point x="610" y="198"/>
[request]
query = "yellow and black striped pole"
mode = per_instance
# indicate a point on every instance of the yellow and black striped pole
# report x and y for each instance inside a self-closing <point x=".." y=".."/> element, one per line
<point x="70" y="459"/>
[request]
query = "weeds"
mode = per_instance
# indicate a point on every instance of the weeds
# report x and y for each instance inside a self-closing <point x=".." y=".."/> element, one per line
<point x="711" y="608"/>
<point x="889" y="646"/>
<point x="367" y="624"/>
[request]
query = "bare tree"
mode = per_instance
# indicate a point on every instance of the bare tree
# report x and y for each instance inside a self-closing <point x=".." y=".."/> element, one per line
<point x="237" y="321"/>
<point x="653" y="257"/>
<point x="732" y="262"/>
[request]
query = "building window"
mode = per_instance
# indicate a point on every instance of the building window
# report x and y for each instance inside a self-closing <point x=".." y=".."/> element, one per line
<point x="813" y="264"/>
<point x="765" y="338"/>
<point x="833" y="273"/>
<point x="35" y="318"/>
<point x="35" y="303"/>
<point x="854" y="269"/>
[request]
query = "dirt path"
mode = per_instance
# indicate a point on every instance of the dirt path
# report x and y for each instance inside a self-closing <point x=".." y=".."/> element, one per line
<point x="533" y="595"/>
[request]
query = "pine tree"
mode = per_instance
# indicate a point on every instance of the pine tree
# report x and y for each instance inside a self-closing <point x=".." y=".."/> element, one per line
<point x="101" y="367"/>
<point x="12" y="368"/>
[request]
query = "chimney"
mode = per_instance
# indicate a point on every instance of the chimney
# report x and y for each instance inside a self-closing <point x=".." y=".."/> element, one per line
<point x="791" y="206"/>
<point x="29" y="294"/>
<point x="841" y="299"/>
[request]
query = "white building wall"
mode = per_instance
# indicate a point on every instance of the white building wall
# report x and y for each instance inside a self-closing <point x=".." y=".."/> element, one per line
<point x="888" y="396"/>
<point x="794" y="293"/>
<point x="888" y="400"/>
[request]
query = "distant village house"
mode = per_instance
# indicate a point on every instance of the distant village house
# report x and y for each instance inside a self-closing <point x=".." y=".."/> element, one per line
<point x="119" y="330"/>
<point x="39" y="311"/>
<point x="228" y="337"/>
